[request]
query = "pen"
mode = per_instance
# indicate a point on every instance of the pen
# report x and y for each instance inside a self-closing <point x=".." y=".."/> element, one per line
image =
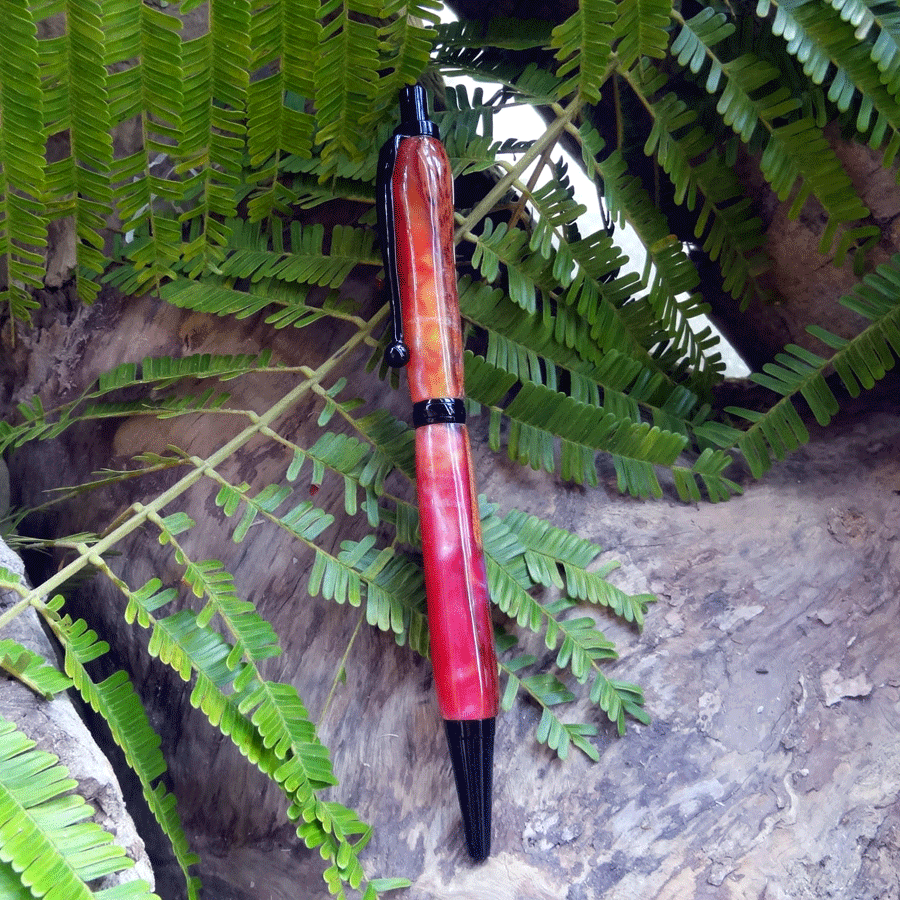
<point x="415" y="217"/>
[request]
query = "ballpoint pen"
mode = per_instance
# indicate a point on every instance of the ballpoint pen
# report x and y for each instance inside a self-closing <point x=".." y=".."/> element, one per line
<point x="415" y="217"/>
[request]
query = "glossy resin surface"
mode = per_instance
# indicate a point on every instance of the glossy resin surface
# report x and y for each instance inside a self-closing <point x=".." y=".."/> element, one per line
<point x="423" y="228"/>
<point x="459" y="611"/>
<point x="459" y="616"/>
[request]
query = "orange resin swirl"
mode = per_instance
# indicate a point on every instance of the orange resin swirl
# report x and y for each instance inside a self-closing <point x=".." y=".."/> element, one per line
<point x="423" y="220"/>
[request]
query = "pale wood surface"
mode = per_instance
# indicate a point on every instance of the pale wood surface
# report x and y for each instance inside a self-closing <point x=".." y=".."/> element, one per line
<point x="772" y="765"/>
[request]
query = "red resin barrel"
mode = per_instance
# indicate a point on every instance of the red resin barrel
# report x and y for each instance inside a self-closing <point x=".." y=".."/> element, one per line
<point x="459" y="615"/>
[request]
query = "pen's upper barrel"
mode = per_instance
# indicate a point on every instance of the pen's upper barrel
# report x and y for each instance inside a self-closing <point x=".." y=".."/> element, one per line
<point x="423" y="241"/>
<point x="414" y="123"/>
<point x="415" y="208"/>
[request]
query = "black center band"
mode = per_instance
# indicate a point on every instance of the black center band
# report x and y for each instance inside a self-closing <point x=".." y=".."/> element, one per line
<point x="441" y="409"/>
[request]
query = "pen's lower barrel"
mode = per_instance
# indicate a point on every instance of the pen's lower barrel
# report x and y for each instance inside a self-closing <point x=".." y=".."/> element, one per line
<point x="459" y="612"/>
<point x="459" y="618"/>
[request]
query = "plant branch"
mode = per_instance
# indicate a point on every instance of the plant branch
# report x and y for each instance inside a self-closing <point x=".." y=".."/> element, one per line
<point x="337" y="675"/>
<point x="141" y="512"/>
<point x="549" y="138"/>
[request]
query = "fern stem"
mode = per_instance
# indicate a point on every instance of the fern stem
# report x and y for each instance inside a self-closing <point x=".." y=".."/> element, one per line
<point x="337" y="675"/>
<point x="532" y="183"/>
<point x="563" y="118"/>
<point x="141" y="512"/>
<point x="17" y="608"/>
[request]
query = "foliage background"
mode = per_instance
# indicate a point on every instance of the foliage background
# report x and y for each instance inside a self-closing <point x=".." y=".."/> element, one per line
<point x="183" y="143"/>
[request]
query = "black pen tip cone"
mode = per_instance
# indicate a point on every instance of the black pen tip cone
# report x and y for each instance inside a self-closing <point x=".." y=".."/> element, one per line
<point x="472" y="752"/>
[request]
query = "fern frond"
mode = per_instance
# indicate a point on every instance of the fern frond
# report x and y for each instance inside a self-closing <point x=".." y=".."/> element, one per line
<point x="859" y="363"/>
<point x="517" y="342"/>
<point x="346" y="75"/>
<point x="31" y="669"/>
<point x="583" y="647"/>
<point x="642" y="30"/>
<point x="266" y="720"/>
<point x="357" y="571"/>
<point x="524" y="344"/>
<point x="753" y="100"/>
<point x="537" y="414"/>
<point x="304" y="257"/>
<point x="162" y="371"/>
<point x="675" y="275"/>
<point x="278" y="274"/>
<point x="730" y="233"/>
<point x="509" y="34"/>
<point x="548" y="691"/>
<point x="878" y="23"/>
<point x="23" y="226"/>
<point x="359" y="464"/>
<point x="617" y="323"/>
<point x="697" y="35"/>
<point x="115" y="699"/>
<point x="557" y="209"/>
<point x="627" y="388"/>
<point x="303" y="520"/>
<point x="860" y="71"/>
<point x="550" y="549"/>
<point x="163" y="408"/>
<point x="216" y="95"/>
<point x="582" y="44"/>
<point x="528" y="273"/>
<point x="586" y="268"/>
<point x="284" y="38"/>
<point x="151" y="92"/>
<point x="90" y="137"/>
<point x="468" y="132"/>
<point x="409" y="34"/>
<point x="253" y="637"/>
<point x="393" y="441"/>
<point x="44" y="837"/>
<point x="533" y="83"/>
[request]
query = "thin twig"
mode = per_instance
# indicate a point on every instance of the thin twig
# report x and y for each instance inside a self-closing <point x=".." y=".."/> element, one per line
<point x="337" y="675"/>
<point x="548" y="138"/>
<point x="532" y="182"/>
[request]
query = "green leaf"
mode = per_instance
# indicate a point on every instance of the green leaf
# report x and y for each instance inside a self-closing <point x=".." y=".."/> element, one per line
<point x="641" y="29"/>
<point x="859" y="363"/>
<point x="31" y="669"/>
<point x="115" y="699"/>
<point x="23" y="217"/>
<point x="44" y="835"/>
<point x="345" y="79"/>
<point x="582" y="44"/>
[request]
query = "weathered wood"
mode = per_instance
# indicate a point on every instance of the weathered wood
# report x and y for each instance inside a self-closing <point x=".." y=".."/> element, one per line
<point x="55" y="727"/>
<point x="772" y="765"/>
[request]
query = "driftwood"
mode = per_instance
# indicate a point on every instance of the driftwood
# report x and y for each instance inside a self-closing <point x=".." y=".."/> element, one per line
<point x="56" y="728"/>
<point x="771" y="767"/>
